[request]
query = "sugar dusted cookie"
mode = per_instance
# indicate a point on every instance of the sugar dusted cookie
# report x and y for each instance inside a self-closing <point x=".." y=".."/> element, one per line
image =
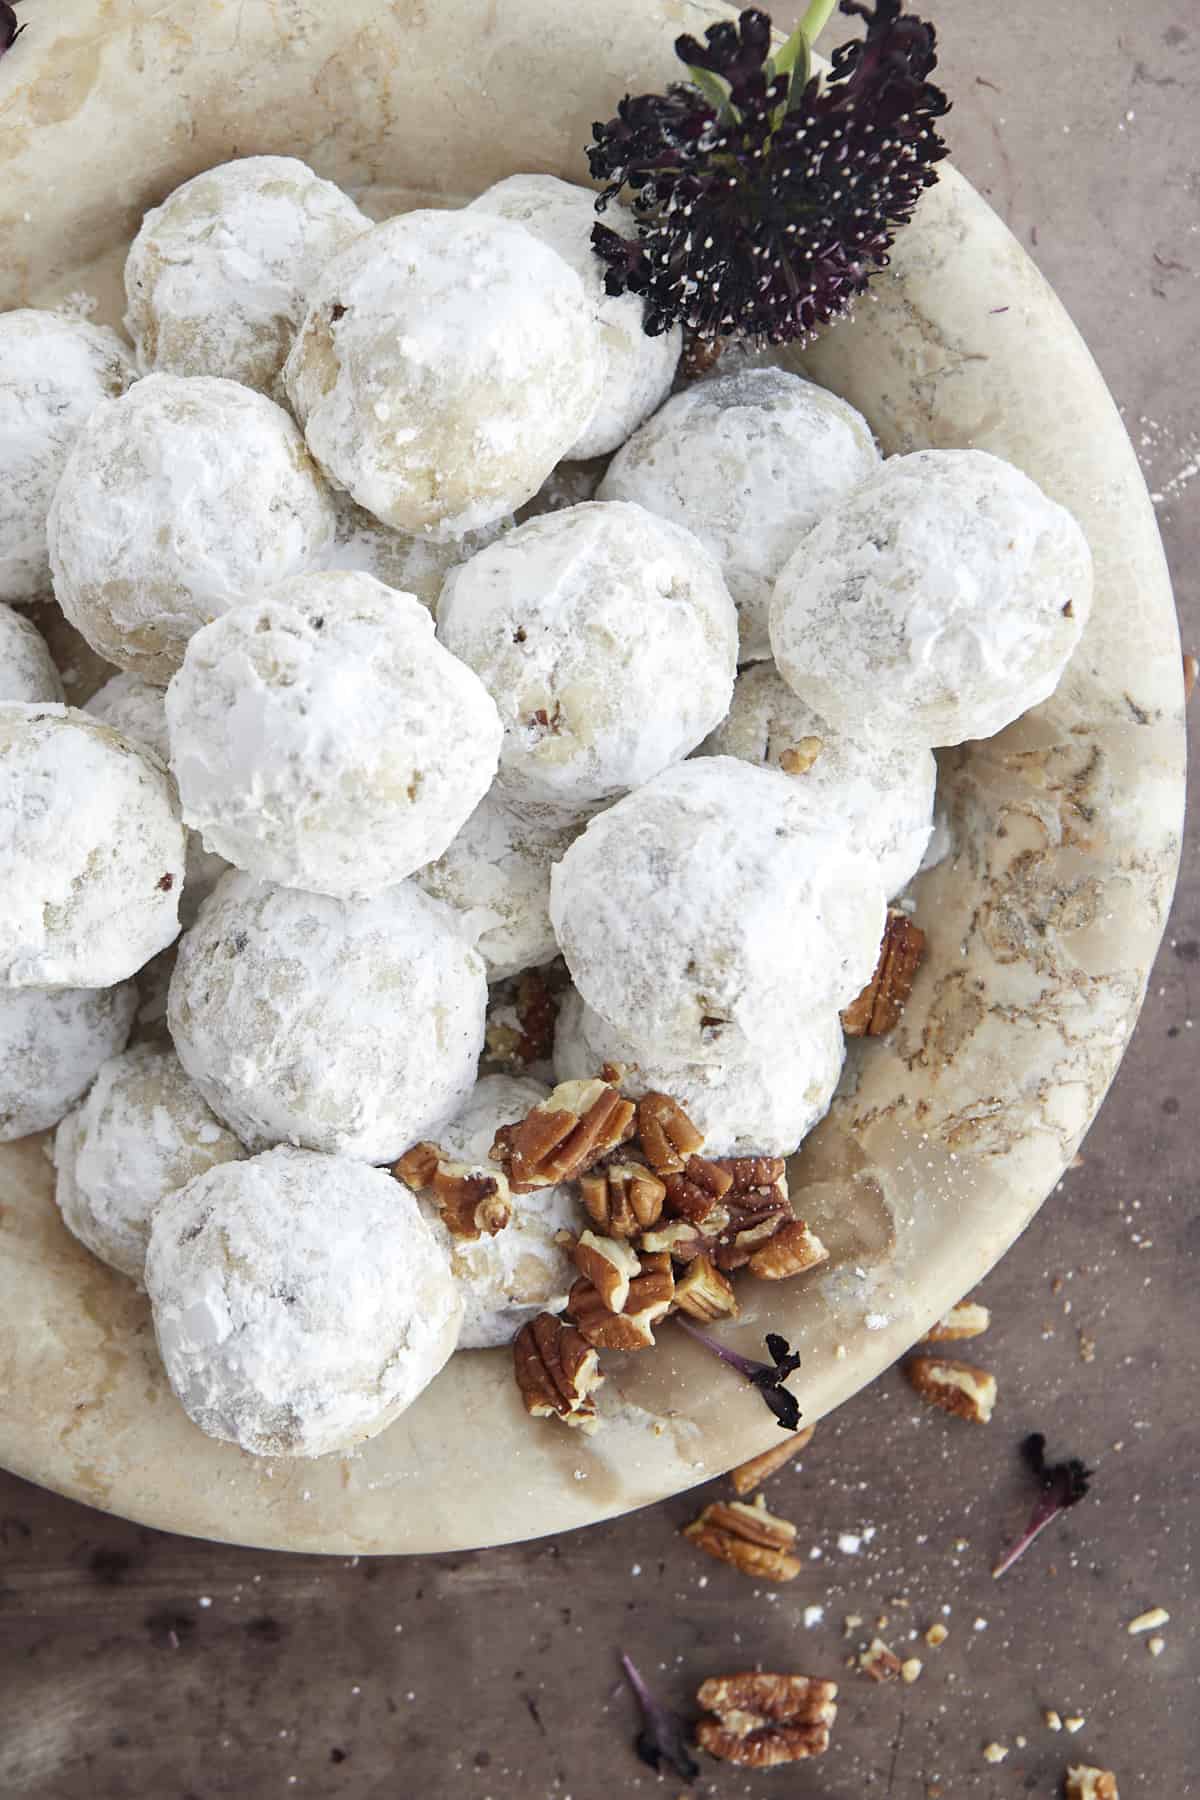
<point x="27" y="672"/>
<point x="52" y="1041"/>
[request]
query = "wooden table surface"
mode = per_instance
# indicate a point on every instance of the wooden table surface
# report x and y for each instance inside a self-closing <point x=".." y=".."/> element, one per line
<point x="134" y="1664"/>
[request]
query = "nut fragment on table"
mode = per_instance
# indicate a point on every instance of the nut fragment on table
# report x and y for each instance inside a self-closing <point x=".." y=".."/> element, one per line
<point x="789" y="1251"/>
<point x="957" y="1387"/>
<point x="667" y="1134"/>
<point x="648" y="1301"/>
<point x="610" y="1264"/>
<point x="557" y="1372"/>
<point x="761" y="1721"/>
<point x="1084" y="1783"/>
<point x="749" y="1475"/>
<point x="704" y="1293"/>
<point x="877" y="1009"/>
<point x="910" y="1670"/>
<point x="1148" y="1621"/>
<point x="564" y="1135"/>
<point x="749" y="1537"/>
<point x="966" y="1320"/>
<point x="879" y="1662"/>
<point x="936" y="1636"/>
<point x="624" y="1198"/>
<point x="474" y="1200"/>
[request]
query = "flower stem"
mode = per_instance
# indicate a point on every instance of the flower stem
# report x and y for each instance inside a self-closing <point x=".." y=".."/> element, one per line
<point x="816" y="18"/>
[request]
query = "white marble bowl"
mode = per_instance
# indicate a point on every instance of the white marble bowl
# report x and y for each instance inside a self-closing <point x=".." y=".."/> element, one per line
<point x="1042" y="926"/>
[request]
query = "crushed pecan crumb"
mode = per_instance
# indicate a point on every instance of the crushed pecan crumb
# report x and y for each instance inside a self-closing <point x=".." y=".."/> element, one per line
<point x="877" y="1009"/>
<point x="957" y="1387"/>
<point x="910" y="1670"/>
<point x="1084" y="1783"/>
<point x="557" y="1372"/>
<point x="966" y="1320"/>
<point x="667" y="1135"/>
<point x="879" y="1662"/>
<point x="473" y="1201"/>
<point x="749" y="1537"/>
<point x="564" y="1135"/>
<point x="761" y="1721"/>
<point x="749" y="1475"/>
<point x="799" y="758"/>
<point x="704" y="1293"/>
<point x="624" y="1198"/>
<point x="936" y="1635"/>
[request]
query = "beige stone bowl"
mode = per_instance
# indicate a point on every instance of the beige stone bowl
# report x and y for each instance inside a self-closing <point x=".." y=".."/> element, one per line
<point x="1042" y="924"/>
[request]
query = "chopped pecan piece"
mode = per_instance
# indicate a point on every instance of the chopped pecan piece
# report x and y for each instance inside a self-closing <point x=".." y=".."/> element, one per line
<point x="473" y="1200"/>
<point x="749" y="1537"/>
<point x="557" y="1372"/>
<point x="749" y="1475"/>
<point x="418" y="1166"/>
<point x="799" y="758"/>
<point x="680" y="1239"/>
<point x="881" y="1002"/>
<point x="704" y="1293"/>
<point x="789" y="1251"/>
<point x="1084" y="1783"/>
<point x="696" y="1192"/>
<point x="966" y="1320"/>
<point x="610" y="1265"/>
<point x="624" y="1198"/>
<point x="958" y="1388"/>
<point x="539" y="995"/>
<point x="880" y="1663"/>
<point x="700" y="355"/>
<point x="561" y="1137"/>
<point x="667" y="1134"/>
<point x="648" y="1301"/>
<point x="760" y="1720"/>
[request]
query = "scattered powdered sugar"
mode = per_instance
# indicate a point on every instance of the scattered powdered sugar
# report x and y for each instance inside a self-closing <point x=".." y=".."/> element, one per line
<point x="218" y="275"/>
<point x="677" y="911"/>
<point x="636" y="369"/>
<point x="27" y="672"/>
<point x="91" y="847"/>
<point x="936" y="604"/>
<point x="447" y="361"/>
<point x="749" y="461"/>
<point x="880" y="795"/>
<point x="143" y="1131"/>
<point x="78" y="304"/>
<point x="179" y="501"/>
<point x="51" y="1045"/>
<point x="608" y="640"/>
<point x="53" y="373"/>
<point x="353" y="1027"/>
<point x="300" y="1301"/>
<point x="411" y="563"/>
<point x="324" y="739"/>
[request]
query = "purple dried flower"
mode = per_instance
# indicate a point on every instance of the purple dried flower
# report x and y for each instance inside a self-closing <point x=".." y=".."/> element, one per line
<point x="10" y="31"/>
<point x="1061" y="1485"/>
<point x="768" y="1378"/>
<point x="664" y="1739"/>
<point x="764" y="199"/>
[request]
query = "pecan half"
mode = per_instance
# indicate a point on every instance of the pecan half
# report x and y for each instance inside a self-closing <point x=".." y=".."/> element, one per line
<point x="1084" y="1783"/>
<point x="749" y="1537"/>
<point x="667" y="1134"/>
<point x="966" y="1320"/>
<point x="473" y="1200"/>
<point x="609" y="1264"/>
<point x="561" y="1137"/>
<point x="957" y="1387"/>
<point x="704" y="1293"/>
<point x="624" y="1198"/>
<point x="789" y="1251"/>
<point x="648" y="1301"/>
<point x="880" y="1663"/>
<point x="761" y="1720"/>
<point x="557" y="1372"/>
<point x="749" y="1475"/>
<point x="878" y="1008"/>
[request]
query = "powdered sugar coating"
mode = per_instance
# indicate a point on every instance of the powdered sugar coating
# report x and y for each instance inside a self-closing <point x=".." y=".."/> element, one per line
<point x="707" y="914"/>
<point x="300" y="1301"/>
<point x="322" y="738"/>
<point x="411" y="564"/>
<point x="27" y="671"/>
<point x="51" y="1044"/>
<point x="636" y="370"/>
<point x="137" y="708"/>
<point x="143" y="1131"/>
<point x="758" y="1105"/>
<point x="520" y="1271"/>
<point x="217" y="276"/>
<point x="496" y="874"/>
<point x="878" y="795"/>
<point x="54" y="372"/>
<point x="608" y="641"/>
<point x="749" y="461"/>
<point x="937" y="604"/>
<point x="91" y="851"/>
<point x="180" y="500"/>
<point x="350" y="1026"/>
<point x="446" y="362"/>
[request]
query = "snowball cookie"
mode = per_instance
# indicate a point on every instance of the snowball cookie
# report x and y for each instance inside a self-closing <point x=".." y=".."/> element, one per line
<point x="636" y="370"/>
<point x="300" y="1301"/>
<point x="757" y="1105"/>
<point x="322" y="738"/>
<point x="352" y="1026"/>
<point x="143" y="1131"/>
<point x="707" y="915"/>
<point x="936" y="604"/>
<point x="27" y="671"/>
<point x="412" y="564"/>
<point x="496" y="874"/>
<point x="137" y="709"/>
<point x="91" y="851"/>
<point x="54" y="372"/>
<point x="178" y="500"/>
<point x="608" y="640"/>
<point x="521" y="1270"/>
<point x="51" y="1044"/>
<point x="878" y="795"/>
<point x="749" y="461"/>
<point x="218" y="275"/>
<point x="446" y="362"/>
